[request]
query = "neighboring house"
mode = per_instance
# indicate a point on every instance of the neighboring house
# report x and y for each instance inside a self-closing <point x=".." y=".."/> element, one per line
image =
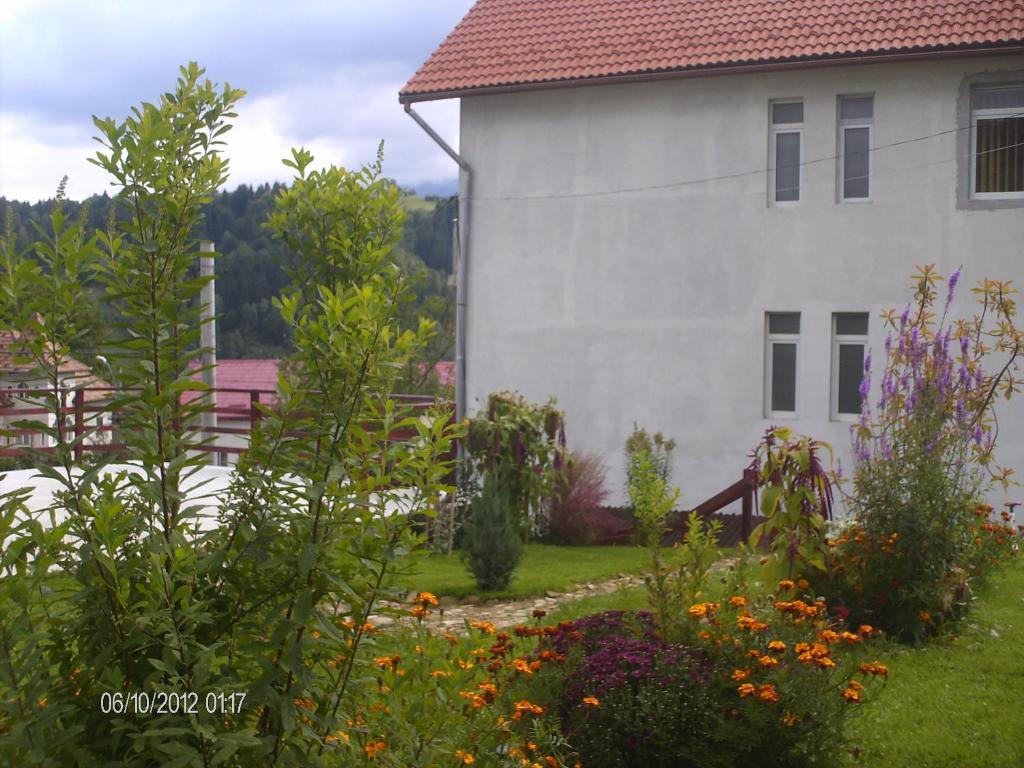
<point x="19" y="380"/>
<point x="238" y="382"/>
<point x="689" y="213"/>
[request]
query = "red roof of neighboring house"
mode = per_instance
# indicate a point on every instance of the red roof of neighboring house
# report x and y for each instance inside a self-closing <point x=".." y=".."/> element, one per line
<point x="75" y="372"/>
<point x="503" y="44"/>
<point x="445" y="370"/>
<point x="247" y="375"/>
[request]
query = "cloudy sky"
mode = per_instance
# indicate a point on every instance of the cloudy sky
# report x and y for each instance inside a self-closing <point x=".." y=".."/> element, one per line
<point x="323" y="74"/>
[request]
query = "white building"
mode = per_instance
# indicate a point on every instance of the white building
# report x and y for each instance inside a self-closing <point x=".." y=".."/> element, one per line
<point x="689" y="215"/>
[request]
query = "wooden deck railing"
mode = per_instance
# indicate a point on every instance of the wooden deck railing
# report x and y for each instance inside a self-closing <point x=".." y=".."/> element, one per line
<point x="16" y="405"/>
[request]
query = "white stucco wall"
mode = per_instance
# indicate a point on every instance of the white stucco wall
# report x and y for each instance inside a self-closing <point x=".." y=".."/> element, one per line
<point x="649" y="306"/>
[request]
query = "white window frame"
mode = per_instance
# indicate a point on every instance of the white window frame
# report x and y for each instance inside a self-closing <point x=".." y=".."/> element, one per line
<point x="773" y="131"/>
<point x="770" y="340"/>
<point x="853" y="122"/>
<point x="838" y="341"/>
<point x="988" y="114"/>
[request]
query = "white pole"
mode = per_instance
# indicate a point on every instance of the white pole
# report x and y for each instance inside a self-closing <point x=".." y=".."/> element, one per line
<point x="208" y="335"/>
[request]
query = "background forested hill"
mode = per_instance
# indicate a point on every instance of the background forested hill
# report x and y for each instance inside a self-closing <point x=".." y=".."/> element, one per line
<point x="249" y="269"/>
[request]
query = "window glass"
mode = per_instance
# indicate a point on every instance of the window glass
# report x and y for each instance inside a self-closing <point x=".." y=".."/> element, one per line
<point x="783" y="396"/>
<point x="856" y="107"/>
<point x="788" y="113"/>
<point x="999" y="155"/>
<point x="787" y="167"/>
<point x="851" y="324"/>
<point x="851" y="374"/>
<point x="856" y="162"/>
<point x="784" y="322"/>
<point x="1007" y="97"/>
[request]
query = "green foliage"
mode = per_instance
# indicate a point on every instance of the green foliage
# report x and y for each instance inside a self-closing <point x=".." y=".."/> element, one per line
<point x="796" y="501"/>
<point x="250" y="273"/>
<point x="683" y="579"/>
<point x="651" y="494"/>
<point x="491" y="547"/>
<point x="524" y="444"/>
<point x="925" y="454"/>
<point x="130" y="590"/>
<point x="657" y="450"/>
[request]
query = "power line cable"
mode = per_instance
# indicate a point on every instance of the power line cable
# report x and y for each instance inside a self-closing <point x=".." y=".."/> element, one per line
<point x="738" y="175"/>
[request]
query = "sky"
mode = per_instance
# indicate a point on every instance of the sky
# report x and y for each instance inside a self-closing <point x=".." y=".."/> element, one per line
<point x="323" y="74"/>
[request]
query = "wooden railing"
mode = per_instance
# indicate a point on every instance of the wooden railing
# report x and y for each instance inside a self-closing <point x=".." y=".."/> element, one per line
<point x="16" y="405"/>
<point x="742" y="490"/>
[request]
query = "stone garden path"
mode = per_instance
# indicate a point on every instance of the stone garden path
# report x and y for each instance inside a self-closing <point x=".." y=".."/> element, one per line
<point x="453" y="613"/>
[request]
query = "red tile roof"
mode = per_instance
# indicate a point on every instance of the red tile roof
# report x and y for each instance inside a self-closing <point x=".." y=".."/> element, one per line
<point x="520" y="43"/>
<point x="244" y="375"/>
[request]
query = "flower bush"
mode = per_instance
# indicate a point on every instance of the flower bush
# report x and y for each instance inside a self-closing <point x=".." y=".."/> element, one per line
<point x="766" y="680"/>
<point x="925" y="459"/>
<point x="524" y="444"/>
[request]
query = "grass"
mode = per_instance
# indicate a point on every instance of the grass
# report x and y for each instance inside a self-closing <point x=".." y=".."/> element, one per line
<point x="957" y="701"/>
<point x="544" y="567"/>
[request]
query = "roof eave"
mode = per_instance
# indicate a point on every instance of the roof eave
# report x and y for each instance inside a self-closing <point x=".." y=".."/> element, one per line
<point x="727" y="69"/>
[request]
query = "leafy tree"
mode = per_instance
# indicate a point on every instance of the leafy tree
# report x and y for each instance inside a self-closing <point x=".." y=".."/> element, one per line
<point x="131" y="593"/>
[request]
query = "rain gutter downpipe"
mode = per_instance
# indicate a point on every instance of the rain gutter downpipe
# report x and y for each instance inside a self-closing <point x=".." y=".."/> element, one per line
<point x="460" y="267"/>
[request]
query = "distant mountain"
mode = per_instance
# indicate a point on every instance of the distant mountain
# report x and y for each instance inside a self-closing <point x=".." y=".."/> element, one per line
<point x="437" y="188"/>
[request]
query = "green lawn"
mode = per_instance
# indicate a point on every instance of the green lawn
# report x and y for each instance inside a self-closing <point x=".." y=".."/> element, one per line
<point x="543" y="567"/>
<point x="418" y="203"/>
<point x="956" y="702"/>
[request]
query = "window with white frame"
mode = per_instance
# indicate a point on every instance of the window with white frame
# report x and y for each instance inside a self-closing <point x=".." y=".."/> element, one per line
<point x="849" y="346"/>
<point x="856" y="116"/>
<point x="997" y="141"/>
<point x="782" y="338"/>
<point x="785" y="150"/>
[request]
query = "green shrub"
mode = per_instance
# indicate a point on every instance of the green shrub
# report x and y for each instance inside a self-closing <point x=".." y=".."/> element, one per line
<point x="253" y="619"/>
<point x="491" y="547"/>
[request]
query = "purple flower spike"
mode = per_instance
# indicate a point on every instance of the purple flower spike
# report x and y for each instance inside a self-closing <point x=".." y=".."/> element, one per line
<point x="865" y="386"/>
<point x="867" y="363"/>
<point x="952" y="287"/>
<point x="888" y="343"/>
<point x="904" y="317"/>
<point x="964" y="341"/>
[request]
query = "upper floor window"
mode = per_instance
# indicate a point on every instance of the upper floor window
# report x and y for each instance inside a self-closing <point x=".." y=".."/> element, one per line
<point x="997" y="142"/>
<point x="856" y="116"/>
<point x="782" y="338"/>
<point x="849" y="343"/>
<point x="785" y="150"/>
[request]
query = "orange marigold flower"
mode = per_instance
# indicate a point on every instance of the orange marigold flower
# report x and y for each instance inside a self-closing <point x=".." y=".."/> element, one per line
<point x="855" y="685"/>
<point x="440" y="673"/>
<point x="789" y="719"/>
<point x="484" y="626"/>
<point x="786" y="584"/>
<point x="701" y="610"/>
<point x="874" y="668"/>
<point x="747" y="689"/>
<point x="738" y="602"/>
<point x="828" y="636"/>
<point x="768" y="662"/>
<point x="451" y="638"/>
<point x="824" y="662"/>
<point x="388" y="662"/>
<point x="419" y="612"/>
<point x="924" y="615"/>
<point x="464" y="757"/>
<point x="740" y="674"/>
<point x="801" y="648"/>
<point x="849" y="637"/>
<point x="852" y="695"/>
<point x="776" y="645"/>
<point x="704" y="635"/>
<point x="522" y="665"/>
<point x="524" y="707"/>
<point x="803" y="584"/>
<point x="591" y="701"/>
<point x="465" y="664"/>
<point x="373" y="747"/>
<point x="768" y="693"/>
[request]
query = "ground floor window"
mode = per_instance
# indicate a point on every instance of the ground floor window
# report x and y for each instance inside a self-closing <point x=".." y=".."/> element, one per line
<point x="849" y="346"/>
<point x="781" y="342"/>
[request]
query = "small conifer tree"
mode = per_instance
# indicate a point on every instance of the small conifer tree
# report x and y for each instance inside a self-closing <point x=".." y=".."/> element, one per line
<point x="491" y="545"/>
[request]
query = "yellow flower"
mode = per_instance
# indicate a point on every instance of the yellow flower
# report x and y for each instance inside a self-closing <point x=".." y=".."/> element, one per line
<point x="440" y="673"/>
<point x="789" y="719"/>
<point x="524" y="707"/>
<point x="747" y="689"/>
<point x="425" y="599"/>
<point x="768" y="661"/>
<point x="464" y="757"/>
<point x="591" y="701"/>
<point x="740" y="674"/>
<point x="852" y="695"/>
<point x="776" y="645"/>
